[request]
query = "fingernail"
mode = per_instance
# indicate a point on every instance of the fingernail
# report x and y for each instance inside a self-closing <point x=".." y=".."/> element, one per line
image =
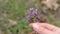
<point x="35" y="26"/>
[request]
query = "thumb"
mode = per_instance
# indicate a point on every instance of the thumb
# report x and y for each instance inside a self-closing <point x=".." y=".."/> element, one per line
<point x="39" y="29"/>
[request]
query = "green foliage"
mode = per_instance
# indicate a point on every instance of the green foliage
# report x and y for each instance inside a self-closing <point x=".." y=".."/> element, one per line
<point x="15" y="10"/>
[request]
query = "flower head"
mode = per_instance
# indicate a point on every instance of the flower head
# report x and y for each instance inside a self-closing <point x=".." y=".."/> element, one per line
<point x="33" y="14"/>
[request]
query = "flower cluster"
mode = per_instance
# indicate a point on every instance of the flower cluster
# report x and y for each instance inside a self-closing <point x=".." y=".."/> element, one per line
<point x="33" y="15"/>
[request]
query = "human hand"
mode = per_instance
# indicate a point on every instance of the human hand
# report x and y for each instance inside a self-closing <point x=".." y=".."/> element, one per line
<point x="45" y="28"/>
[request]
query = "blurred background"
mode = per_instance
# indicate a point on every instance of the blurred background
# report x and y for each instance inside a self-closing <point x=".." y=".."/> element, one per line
<point x="13" y="14"/>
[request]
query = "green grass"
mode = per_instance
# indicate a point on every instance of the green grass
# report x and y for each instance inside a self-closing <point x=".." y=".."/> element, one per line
<point x="15" y="10"/>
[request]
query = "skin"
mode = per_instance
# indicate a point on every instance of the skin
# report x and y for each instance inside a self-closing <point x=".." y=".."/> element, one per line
<point x="45" y="28"/>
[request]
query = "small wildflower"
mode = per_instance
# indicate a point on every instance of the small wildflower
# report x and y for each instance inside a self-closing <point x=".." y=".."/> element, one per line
<point x="33" y="15"/>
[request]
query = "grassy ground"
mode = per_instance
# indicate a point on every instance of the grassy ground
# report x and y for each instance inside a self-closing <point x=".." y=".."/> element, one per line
<point x="12" y="16"/>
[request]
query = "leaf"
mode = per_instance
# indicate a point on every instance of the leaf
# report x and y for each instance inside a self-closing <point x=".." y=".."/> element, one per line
<point x="52" y="4"/>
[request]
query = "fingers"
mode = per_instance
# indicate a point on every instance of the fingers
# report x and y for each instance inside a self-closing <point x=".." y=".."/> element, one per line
<point x="48" y="26"/>
<point x="39" y="29"/>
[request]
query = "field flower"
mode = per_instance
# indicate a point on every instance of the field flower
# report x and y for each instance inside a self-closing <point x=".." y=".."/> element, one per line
<point x="33" y="15"/>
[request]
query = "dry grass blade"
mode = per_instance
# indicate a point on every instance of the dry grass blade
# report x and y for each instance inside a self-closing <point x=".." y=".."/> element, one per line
<point x="11" y="22"/>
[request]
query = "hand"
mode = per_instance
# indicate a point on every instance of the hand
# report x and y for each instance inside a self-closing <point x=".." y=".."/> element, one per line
<point x="45" y="28"/>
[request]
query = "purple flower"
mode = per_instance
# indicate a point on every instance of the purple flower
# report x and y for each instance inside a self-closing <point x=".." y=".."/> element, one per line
<point x="32" y="11"/>
<point x="29" y="17"/>
<point x="33" y="14"/>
